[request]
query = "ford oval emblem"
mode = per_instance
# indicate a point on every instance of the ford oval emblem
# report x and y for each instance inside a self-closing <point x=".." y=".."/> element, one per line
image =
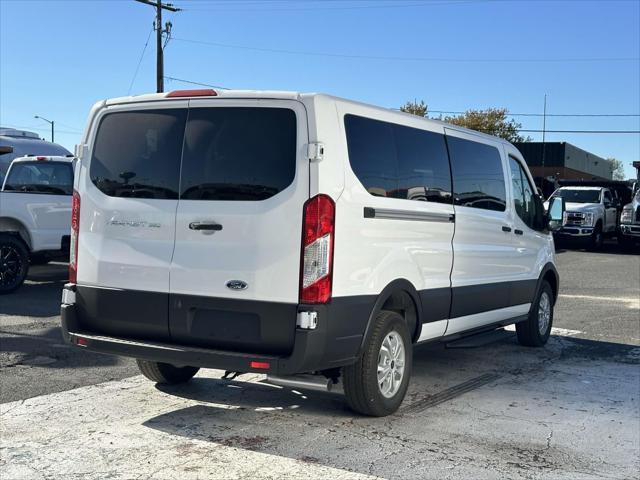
<point x="237" y="285"/>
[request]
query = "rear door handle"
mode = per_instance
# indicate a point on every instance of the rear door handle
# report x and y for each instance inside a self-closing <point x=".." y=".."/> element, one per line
<point x="216" y="227"/>
<point x="518" y="232"/>
<point x="506" y="229"/>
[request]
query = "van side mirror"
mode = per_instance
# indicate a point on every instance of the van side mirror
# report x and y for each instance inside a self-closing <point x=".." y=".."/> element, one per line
<point x="555" y="214"/>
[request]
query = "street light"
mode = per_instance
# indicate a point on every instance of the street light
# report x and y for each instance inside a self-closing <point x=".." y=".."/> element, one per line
<point x="48" y="121"/>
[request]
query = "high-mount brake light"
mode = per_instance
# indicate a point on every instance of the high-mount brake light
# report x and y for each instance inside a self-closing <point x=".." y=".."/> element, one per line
<point x="206" y="92"/>
<point x="41" y="158"/>
<point x="316" y="268"/>
<point x="75" y="231"/>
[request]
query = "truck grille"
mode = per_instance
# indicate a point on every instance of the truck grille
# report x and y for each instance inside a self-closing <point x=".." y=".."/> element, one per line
<point x="575" y="218"/>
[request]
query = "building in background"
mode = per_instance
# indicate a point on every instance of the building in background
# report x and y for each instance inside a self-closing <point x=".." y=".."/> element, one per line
<point x="563" y="161"/>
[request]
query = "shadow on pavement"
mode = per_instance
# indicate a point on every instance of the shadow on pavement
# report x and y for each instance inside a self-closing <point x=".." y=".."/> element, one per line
<point x="295" y="424"/>
<point x="40" y="295"/>
<point x="47" y="349"/>
<point x="608" y="247"/>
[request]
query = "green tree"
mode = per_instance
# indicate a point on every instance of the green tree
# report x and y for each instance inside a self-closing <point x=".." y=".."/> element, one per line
<point x="617" y="168"/>
<point x="492" y="121"/>
<point x="419" y="109"/>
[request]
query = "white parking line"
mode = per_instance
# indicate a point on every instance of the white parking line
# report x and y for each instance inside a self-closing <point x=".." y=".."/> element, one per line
<point x="563" y="332"/>
<point x="633" y="303"/>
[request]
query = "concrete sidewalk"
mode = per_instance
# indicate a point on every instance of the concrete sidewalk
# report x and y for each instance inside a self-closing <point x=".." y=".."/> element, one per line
<point x="571" y="410"/>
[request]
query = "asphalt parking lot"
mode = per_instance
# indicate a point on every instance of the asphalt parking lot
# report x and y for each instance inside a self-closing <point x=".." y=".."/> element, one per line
<point x="483" y="408"/>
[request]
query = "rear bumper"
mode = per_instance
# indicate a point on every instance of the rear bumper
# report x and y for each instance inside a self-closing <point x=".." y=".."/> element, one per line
<point x="334" y="343"/>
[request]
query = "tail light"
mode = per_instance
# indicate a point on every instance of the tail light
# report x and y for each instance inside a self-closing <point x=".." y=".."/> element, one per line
<point x="75" y="231"/>
<point x="317" y="249"/>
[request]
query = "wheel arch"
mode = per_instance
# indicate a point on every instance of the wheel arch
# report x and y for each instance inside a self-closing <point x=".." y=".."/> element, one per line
<point x="400" y="296"/>
<point x="13" y="226"/>
<point x="549" y="273"/>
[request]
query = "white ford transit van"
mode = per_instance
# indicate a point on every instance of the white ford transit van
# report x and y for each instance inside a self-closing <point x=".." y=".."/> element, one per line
<point x="303" y="236"/>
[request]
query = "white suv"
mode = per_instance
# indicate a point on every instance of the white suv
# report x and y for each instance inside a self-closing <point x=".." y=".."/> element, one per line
<point x="303" y="236"/>
<point x="35" y="215"/>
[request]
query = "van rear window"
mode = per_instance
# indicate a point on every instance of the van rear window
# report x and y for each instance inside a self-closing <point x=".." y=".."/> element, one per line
<point x="221" y="153"/>
<point x="238" y="153"/>
<point x="137" y="153"/>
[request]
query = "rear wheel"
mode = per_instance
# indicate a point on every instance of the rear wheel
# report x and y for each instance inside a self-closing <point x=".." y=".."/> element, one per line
<point x="377" y="383"/>
<point x="165" y="373"/>
<point x="535" y="331"/>
<point x="14" y="263"/>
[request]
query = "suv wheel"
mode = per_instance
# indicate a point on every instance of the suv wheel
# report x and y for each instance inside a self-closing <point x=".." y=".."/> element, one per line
<point x="14" y="263"/>
<point x="535" y="331"/>
<point x="377" y="383"/>
<point x="165" y="373"/>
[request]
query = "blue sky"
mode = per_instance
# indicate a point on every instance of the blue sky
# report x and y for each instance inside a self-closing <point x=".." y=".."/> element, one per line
<point x="58" y="57"/>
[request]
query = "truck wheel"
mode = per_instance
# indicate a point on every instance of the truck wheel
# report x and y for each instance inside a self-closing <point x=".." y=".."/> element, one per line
<point x="165" y="373"/>
<point x="377" y="383"/>
<point x="535" y="331"/>
<point x="14" y="263"/>
<point x="596" y="237"/>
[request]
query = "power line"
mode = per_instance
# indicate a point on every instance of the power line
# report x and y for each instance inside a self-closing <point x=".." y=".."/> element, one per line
<point x="285" y="8"/>
<point x="451" y="112"/>
<point x="416" y="59"/>
<point x="195" y="83"/>
<point x="139" y="62"/>
<point x="579" y="131"/>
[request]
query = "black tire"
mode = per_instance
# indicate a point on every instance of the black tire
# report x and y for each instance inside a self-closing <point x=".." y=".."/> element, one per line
<point x="361" y="388"/>
<point x="14" y="262"/>
<point x="529" y="332"/>
<point x="165" y="373"/>
<point x="597" y="237"/>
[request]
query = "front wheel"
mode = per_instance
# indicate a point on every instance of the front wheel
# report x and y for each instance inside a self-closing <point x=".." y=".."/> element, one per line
<point x="535" y="331"/>
<point x="165" y="373"/>
<point x="597" y="237"/>
<point x="377" y="383"/>
<point x="14" y="263"/>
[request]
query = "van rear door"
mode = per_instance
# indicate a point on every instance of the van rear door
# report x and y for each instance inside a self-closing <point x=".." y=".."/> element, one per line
<point x="236" y="264"/>
<point x="129" y="196"/>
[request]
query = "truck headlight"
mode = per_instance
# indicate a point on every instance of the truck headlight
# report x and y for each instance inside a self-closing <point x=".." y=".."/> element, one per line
<point x="588" y="219"/>
<point x="627" y="214"/>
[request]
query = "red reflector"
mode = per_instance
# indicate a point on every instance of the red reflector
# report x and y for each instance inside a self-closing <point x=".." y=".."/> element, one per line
<point x="193" y="93"/>
<point x="260" y="365"/>
<point x="83" y="342"/>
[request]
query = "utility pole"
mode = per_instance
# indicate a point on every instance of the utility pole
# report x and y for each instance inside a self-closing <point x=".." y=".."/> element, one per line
<point x="544" y="128"/>
<point x="159" y="31"/>
<point x="48" y="121"/>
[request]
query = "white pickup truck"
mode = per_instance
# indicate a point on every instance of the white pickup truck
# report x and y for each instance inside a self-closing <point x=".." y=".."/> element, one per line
<point x="35" y="215"/>
<point x="591" y="213"/>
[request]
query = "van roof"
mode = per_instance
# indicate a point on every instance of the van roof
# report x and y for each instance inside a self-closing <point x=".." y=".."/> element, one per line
<point x="276" y="94"/>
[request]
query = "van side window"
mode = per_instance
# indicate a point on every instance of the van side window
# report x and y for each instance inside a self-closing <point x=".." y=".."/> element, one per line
<point x="478" y="178"/>
<point x="238" y="153"/>
<point x="54" y="178"/>
<point x="392" y="160"/>
<point x="137" y="153"/>
<point x="523" y="193"/>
